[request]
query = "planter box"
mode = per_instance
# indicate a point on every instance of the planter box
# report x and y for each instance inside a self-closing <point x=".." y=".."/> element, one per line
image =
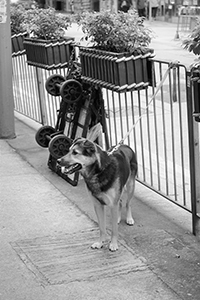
<point x="196" y="94"/>
<point x="117" y="71"/>
<point x="48" y="54"/>
<point x="17" y="41"/>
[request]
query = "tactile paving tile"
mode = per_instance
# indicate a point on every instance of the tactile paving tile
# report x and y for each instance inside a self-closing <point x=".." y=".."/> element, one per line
<point x="67" y="258"/>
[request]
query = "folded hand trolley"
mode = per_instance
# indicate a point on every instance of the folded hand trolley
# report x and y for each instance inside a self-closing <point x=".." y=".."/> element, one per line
<point x="81" y="108"/>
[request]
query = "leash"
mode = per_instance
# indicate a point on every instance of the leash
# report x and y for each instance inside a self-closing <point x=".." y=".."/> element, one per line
<point x="172" y="65"/>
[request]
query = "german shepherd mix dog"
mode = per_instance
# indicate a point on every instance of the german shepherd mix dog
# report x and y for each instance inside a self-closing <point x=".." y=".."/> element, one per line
<point x="109" y="176"/>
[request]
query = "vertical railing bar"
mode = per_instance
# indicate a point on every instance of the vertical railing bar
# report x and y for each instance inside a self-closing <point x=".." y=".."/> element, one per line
<point x="127" y="118"/>
<point x="14" y="79"/>
<point x="114" y="119"/>
<point x="156" y="141"/>
<point x="149" y="138"/>
<point x="164" y="132"/>
<point x="24" y="102"/>
<point x="36" y="96"/>
<point x="109" y="116"/>
<point x="53" y="101"/>
<point x="133" y="119"/>
<point x="50" y="101"/>
<point x="33" y="88"/>
<point x="42" y="106"/>
<point x="17" y="82"/>
<point x="120" y="113"/>
<point x="29" y="91"/>
<point x="181" y="137"/>
<point x="141" y="136"/>
<point x="32" y="92"/>
<point x="172" y="132"/>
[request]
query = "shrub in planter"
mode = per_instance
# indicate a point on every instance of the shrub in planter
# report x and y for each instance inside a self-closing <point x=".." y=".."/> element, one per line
<point x="47" y="46"/>
<point x="17" y="17"/>
<point x="192" y="42"/>
<point x="118" y="58"/>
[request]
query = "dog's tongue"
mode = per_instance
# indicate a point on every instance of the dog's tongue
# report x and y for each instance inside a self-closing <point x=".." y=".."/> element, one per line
<point x="71" y="169"/>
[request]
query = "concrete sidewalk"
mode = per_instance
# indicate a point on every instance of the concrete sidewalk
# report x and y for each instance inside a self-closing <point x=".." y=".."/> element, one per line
<point x="47" y="227"/>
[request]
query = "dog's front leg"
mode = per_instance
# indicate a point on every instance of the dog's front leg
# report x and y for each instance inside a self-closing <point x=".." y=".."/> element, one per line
<point x="114" y="215"/>
<point x="100" y="212"/>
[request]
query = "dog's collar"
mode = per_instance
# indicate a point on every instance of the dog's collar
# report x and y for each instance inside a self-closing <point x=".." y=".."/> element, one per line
<point x="114" y="149"/>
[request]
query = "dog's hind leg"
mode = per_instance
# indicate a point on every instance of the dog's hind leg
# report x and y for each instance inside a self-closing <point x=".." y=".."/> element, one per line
<point x="119" y="211"/>
<point x="130" y="193"/>
<point x="100" y="213"/>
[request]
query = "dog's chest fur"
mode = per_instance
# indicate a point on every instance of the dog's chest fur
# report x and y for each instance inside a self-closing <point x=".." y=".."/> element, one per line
<point x="112" y="174"/>
<point x="101" y="180"/>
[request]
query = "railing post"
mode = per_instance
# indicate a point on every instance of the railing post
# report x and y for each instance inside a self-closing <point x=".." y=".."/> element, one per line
<point x="194" y="148"/>
<point x="41" y="95"/>
<point x="197" y="176"/>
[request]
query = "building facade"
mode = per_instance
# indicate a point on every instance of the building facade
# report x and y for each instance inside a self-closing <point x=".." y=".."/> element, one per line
<point x="166" y="7"/>
<point x="77" y="6"/>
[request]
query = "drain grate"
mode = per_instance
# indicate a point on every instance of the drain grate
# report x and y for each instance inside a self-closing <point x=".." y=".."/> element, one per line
<point x="67" y="258"/>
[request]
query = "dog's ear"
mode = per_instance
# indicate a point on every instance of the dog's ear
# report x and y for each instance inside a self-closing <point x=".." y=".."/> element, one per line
<point x="88" y="148"/>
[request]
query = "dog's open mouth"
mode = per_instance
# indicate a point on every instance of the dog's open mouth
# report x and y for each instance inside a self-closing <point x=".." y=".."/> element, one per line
<point x="70" y="169"/>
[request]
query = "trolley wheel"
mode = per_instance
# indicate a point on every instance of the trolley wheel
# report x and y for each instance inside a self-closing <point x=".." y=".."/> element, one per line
<point x="59" y="146"/>
<point x="42" y="136"/>
<point x="71" y="91"/>
<point x="53" y="84"/>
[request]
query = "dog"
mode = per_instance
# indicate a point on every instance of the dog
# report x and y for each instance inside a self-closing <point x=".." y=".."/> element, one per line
<point x="109" y="176"/>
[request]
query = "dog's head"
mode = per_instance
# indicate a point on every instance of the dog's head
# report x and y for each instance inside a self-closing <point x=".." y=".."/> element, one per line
<point x="82" y="154"/>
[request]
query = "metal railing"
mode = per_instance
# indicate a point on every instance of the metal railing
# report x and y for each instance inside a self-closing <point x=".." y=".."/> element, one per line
<point x="160" y="137"/>
<point x="30" y="95"/>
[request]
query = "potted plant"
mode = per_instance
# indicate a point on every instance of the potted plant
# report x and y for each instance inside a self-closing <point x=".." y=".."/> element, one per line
<point x="17" y="12"/>
<point x="119" y="56"/>
<point x="47" y="46"/>
<point x="192" y="42"/>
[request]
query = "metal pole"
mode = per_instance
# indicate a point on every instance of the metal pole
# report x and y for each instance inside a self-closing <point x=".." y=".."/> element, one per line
<point x="193" y="131"/>
<point x="177" y="36"/>
<point x="196" y="216"/>
<point x="150" y="11"/>
<point x="7" y="128"/>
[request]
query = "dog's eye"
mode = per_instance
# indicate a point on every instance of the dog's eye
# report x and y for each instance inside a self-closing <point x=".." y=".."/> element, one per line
<point x="74" y="152"/>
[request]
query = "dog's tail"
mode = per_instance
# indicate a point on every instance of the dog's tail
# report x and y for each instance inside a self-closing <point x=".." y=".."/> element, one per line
<point x="131" y="156"/>
<point x="134" y="164"/>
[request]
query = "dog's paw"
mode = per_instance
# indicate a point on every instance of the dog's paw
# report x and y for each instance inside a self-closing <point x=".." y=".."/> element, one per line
<point x="97" y="245"/>
<point x="130" y="221"/>
<point x="113" y="247"/>
<point x="119" y="220"/>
